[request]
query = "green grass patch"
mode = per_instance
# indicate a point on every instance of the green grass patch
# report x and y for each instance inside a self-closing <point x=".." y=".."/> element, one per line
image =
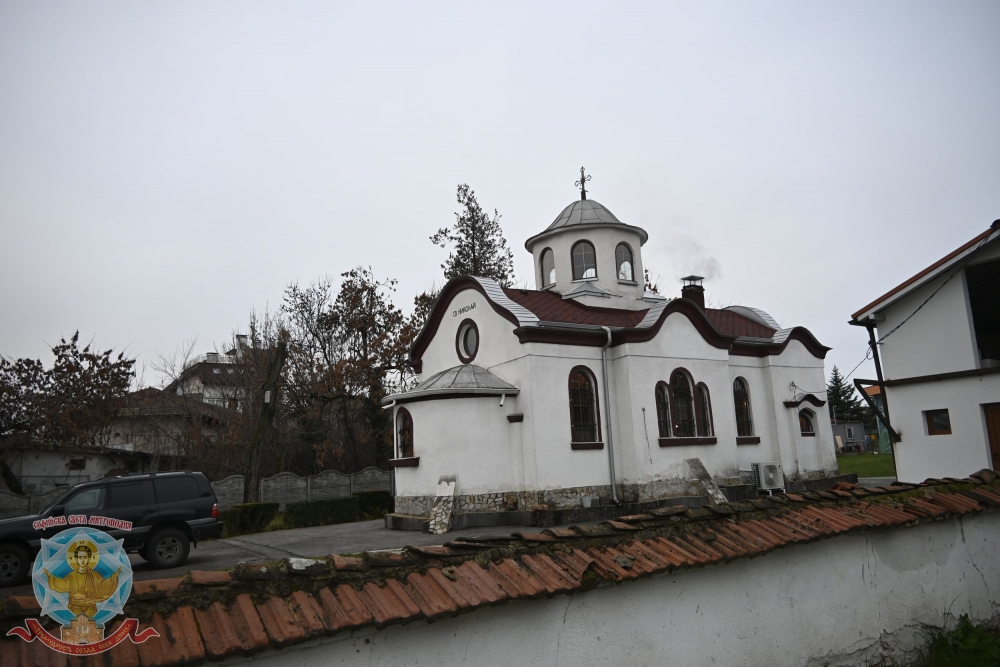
<point x="967" y="645"/>
<point x="867" y="464"/>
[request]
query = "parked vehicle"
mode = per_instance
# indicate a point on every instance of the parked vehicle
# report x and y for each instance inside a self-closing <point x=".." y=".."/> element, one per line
<point x="158" y="515"/>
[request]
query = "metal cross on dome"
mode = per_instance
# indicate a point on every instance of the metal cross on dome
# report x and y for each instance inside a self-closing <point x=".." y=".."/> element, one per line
<point x="582" y="184"/>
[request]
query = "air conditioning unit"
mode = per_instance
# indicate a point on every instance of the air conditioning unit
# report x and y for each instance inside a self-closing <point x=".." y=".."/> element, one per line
<point x="767" y="476"/>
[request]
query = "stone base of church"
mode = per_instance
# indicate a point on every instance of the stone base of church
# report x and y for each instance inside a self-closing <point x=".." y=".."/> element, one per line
<point x="574" y="504"/>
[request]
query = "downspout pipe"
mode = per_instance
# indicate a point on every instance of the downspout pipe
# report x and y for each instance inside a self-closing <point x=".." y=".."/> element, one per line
<point x="607" y="416"/>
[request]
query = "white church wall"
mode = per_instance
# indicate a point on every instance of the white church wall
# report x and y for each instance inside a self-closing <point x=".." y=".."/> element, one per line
<point x="677" y="345"/>
<point x="468" y="437"/>
<point x="497" y="344"/>
<point x="801" y="455"/>
<point x="800" y="606"/>
<point x="920" y="455"/>
<point x="605" y="241"/>
<point x="765" y="426"/>
<point x="557" y="464"/>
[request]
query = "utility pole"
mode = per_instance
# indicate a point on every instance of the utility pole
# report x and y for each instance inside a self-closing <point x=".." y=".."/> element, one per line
<point x="269" y="406"/>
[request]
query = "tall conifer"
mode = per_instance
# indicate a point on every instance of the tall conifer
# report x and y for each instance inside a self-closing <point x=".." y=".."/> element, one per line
<point x="479" y="248"/>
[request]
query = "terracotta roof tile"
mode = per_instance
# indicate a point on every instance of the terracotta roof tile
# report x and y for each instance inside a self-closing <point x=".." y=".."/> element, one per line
<point x="212" y="615"/>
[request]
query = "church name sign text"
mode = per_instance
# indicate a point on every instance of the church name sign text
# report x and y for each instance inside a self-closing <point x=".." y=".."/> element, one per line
<point x="463" y="310"/>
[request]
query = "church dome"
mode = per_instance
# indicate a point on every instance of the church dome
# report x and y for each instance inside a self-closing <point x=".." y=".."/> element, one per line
<point x="584" y="212"/>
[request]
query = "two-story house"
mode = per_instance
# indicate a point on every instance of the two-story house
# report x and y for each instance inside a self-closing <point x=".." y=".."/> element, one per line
<point x="938" y="344"/>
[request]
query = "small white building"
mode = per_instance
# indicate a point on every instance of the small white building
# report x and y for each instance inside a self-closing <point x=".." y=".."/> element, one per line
<point x="939" y="348"/>
<point x="543" y="398"/>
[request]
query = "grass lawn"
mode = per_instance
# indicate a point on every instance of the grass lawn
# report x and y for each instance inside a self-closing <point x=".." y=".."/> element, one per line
<point x="867" y="465"/>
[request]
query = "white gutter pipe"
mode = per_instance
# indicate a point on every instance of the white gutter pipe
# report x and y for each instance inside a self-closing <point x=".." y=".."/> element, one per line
<point x="607" y="416"/>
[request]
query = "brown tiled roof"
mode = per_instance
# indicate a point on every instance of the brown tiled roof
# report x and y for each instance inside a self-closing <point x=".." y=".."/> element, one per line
<point x="551" y="307"/>
<point x="212" y="615"/>
<point x="152" y="402"/>
<point x="733" y="324"/>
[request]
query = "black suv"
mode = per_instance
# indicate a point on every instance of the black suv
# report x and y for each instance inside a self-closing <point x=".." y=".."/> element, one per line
<point x="168" y="511"/>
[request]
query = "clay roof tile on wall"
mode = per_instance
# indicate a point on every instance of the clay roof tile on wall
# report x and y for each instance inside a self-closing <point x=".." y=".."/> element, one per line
<point x="211" y="617"/>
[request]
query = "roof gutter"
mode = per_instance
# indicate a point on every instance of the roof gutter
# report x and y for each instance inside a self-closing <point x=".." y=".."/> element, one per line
<point x="607" y="417"/>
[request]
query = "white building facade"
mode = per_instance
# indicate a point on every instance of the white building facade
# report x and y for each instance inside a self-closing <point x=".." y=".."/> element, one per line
<point x="590" y="387"/>
<point x="939" y="347"/>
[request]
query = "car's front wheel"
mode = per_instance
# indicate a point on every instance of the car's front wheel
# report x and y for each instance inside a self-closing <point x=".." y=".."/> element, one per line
<point x="167" y="548"/>
<point x="14" y="564"/>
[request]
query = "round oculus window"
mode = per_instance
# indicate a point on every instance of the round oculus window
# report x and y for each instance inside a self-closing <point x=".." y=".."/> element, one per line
<point x="467" y="341"/>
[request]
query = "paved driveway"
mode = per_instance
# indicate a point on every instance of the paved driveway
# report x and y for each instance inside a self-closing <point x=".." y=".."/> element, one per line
<point x="302" y="542"/>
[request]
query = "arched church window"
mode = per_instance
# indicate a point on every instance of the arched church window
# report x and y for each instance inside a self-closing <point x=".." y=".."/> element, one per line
<point x="584" y="261"/>
<point x="806" y="421"/>
<point x="583" y="406"/>
<point x="623" y="260"/>
<point x="467" y="341"/>
<point x="683" y="406"/>
<point x="548" y="268"/>
<point x="744" y="416"/>
<point x="704" y="406"/>
<point x="663" y="409"/>
<point x="404" y="433"/>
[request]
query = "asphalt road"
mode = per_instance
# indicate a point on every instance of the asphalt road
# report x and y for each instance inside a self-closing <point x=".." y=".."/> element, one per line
<point x="302" y="542"/>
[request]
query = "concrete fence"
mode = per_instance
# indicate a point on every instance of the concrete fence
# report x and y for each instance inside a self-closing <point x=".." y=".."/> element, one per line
<point x="288" y="487"/>
<point x="12" y="505"/>
<point x="283" y="488"/>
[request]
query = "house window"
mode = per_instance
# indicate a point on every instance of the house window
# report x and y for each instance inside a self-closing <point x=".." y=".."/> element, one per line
<point x="584" y="261"/>
<point x="583" y="406"/>
<point x="663" y="409"/>
<point x="806" y="421"/>
<point x="548" y="268"/>
<point x="683" y="407"/>
<point x="404" y="433"/>
<point x="938" y="422"/>
<point x="850" y="433"/>
<point x="704" y="406"/>
<point x="77" y="464"/>
<point x="624" y="263"/>
<point x="744" y="416"/>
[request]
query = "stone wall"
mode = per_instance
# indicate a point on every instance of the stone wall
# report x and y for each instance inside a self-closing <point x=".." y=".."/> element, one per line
<point x="551" y="499"/>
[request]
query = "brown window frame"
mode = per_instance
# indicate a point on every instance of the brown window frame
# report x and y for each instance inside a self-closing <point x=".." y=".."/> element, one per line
<point x="811" y="416"/>
<point x="541" y="265"/>
<point x="400" y="453"/>
<point x="743" y="404"/>
<point x="631" y="262"/>
<point x="597" y="443"/>
<point x="663" y="417"/>
<point x="928" y="419"/>
<point x="466" y="324"/>
<point x="690" y="421"/>
<point x="573" y="264"/>
<point x="703" y="411"/>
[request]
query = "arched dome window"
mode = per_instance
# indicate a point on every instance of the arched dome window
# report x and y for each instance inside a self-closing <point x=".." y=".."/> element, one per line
<point x="704" y="405"/>
<point x="583" y="406"/>
<point x="624" y="262"/>
<point x="404" y="433"/>
<point x="584" y="261"/>
<point x="548" y="268"/>
<point x="663" y="409"/>
<point x="806" y="421"/>
<point x="683" y="405"/>
<point x="744" y="416"/>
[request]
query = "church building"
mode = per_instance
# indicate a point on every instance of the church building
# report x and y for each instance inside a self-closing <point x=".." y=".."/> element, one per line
<point x="591" y="389"/>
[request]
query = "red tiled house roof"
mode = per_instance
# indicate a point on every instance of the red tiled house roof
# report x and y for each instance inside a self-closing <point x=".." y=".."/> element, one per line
<point x="215" y="615"/>
<point x="551" y="307"/>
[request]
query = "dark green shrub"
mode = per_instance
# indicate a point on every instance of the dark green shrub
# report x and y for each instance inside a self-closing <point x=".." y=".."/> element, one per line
<point x="247" y="518"/>
<point x="968" y="645"/>
<point x="375" y="504"/>
<point x="321" y="512"/>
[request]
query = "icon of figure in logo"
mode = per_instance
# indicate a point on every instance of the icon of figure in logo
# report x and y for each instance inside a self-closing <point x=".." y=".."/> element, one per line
<point x="85" y="586"/>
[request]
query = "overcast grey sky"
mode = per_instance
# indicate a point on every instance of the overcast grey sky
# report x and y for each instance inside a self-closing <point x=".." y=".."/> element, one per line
<point x="165" y="167"/>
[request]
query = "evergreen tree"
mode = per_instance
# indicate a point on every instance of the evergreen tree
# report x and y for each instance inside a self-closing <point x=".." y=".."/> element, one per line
<point x="844" y="404"/>
<point x="479" y="246"/>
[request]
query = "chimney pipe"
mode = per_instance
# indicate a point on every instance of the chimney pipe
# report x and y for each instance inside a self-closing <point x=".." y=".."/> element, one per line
<point x="693" y="290"/>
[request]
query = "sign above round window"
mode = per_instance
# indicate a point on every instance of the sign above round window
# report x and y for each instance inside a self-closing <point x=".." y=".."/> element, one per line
<point x="467" y="341"/>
